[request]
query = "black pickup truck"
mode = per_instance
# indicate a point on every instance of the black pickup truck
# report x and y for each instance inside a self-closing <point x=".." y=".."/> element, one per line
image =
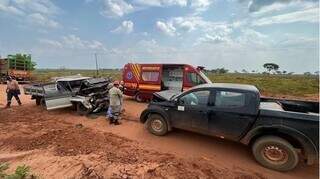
<point x="278" y="131"/>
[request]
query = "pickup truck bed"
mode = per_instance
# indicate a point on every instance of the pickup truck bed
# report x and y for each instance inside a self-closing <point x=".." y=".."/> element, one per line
<point x="34" y="89"/>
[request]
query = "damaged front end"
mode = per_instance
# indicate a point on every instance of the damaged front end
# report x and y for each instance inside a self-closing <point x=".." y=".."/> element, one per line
<point x="92" y="96"/>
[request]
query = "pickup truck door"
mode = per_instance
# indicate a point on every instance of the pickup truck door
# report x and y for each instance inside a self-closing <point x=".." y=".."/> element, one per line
<point x="57" y="96"/>
<point x="228" y="117"/>
<point x="191" y="112"/>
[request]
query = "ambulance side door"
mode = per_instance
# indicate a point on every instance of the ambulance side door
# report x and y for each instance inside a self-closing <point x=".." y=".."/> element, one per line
<point x="151" y="75"/>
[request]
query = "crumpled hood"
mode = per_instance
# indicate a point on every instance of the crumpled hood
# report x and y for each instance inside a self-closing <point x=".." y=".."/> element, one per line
<point x="164" y="95"/>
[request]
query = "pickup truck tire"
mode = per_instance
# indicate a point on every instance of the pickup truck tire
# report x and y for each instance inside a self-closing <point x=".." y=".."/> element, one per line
<point x="43" y="102"/>
<point x="81" y="110"/>
<point x="156" y="125"/>
<point x="275" y="153"/>
<point x="38" y="101"/>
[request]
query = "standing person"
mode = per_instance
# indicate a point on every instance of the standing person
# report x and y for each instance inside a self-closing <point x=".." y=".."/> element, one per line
<point x="12" y="90"/>
<point x="121" y="87"/>
<point x="115" y="95"/>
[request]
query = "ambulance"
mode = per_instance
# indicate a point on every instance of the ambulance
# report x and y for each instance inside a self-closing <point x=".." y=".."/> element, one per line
<point x="142" y="80"/>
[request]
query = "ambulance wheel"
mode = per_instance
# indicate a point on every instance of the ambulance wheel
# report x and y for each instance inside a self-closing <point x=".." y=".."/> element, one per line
<point x="138" y="98"/>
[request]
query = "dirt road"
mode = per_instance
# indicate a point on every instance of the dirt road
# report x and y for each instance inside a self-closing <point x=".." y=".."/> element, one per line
<point x="61" y="144"/>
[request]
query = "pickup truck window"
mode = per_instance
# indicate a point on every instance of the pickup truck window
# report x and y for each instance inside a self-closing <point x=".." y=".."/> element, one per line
<point x="195" y="98"/>
<point x="75" y="84"/>
<point x="229" y="99"/>
<point x="63" y="86"/>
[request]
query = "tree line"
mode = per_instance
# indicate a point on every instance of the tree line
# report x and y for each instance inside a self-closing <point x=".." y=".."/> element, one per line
<point x="270" y="68"/>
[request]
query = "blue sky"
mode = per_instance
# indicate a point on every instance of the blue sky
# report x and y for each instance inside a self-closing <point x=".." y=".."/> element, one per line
<point x="235" y="34"/>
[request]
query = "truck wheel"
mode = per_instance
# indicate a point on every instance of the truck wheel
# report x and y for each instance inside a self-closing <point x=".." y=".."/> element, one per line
<point x="43" y="102"/>
<point x="275" y="153"/>
<point x="82" y="110"/>
<point x="156" y="125"/>
<point x="38" y="101"/>
<point x="138" y="98"/>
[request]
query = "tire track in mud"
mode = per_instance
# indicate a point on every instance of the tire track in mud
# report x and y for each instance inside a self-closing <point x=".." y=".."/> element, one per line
<point x="32" y="129"/>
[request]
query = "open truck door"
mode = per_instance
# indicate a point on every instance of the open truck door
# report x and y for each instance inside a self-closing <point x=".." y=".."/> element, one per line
<point x="57" y="96"/>
<point x="150" y="81"/>
<point x="193" y="77"/>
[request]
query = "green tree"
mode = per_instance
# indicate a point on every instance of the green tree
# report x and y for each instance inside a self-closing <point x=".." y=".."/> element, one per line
<point x="219" y="70"/>
<point x="271" y="67"/>
<point x="244" y="71"/>
<point x="307" y="73"/>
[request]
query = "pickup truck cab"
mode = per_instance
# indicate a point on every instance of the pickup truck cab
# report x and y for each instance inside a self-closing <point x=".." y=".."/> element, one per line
<point x="274" y="129"/>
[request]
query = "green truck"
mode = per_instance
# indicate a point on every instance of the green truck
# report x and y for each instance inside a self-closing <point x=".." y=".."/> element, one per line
<point x="19" y="66"/>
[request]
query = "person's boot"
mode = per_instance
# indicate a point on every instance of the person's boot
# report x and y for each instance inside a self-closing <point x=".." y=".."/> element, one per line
<point x="111" y="120"/>
<point x="117" y="122"/>
<point x="8" y="105"/>
<point x="19" y="102"/>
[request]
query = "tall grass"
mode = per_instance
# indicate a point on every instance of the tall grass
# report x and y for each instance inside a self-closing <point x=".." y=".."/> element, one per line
<point x="271" y="85"/>
<point x="294" y="85"/>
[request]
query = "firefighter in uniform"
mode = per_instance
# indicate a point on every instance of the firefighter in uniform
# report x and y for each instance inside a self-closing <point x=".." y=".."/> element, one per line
<point x="12" y="91"/>
<point x="115" y="105"/>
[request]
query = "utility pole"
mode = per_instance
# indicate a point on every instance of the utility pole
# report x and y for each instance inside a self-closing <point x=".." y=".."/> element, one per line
<point x="97" y="68"/>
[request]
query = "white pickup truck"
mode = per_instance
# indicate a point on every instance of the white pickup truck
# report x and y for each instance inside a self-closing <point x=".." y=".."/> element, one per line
<point x="85" y="93"/>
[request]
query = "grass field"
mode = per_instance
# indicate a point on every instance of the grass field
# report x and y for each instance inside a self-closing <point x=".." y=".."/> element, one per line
<point x="292" y="86"/>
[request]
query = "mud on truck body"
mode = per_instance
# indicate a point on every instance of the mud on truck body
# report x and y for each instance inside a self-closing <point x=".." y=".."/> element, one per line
<point x="278" y="131"/>
<point x="85" y="94"/>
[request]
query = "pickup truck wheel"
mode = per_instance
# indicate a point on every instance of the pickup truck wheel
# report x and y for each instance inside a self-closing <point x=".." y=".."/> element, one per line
<point x="82" y="110"/>
<point x="38" y="101"/>
<point x="156" y="125"/>
<point x="43" y="102"/>
<point x="275" y="153"/>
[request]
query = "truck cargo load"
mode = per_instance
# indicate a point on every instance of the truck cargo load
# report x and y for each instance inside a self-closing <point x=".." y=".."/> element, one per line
<point x="18" y="66"/>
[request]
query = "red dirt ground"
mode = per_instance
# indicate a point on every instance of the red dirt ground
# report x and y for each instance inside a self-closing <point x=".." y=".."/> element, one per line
<point x="62" y="144"/>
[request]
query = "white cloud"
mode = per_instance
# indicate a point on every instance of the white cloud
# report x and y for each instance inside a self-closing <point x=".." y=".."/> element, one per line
<point x="74" y="42"/>
<point x="200" y="5"/>
<point x="277" y="7"/>
<point x="52" y="43"/>
<point x="45" y="7"/>
<point x="292" y="41"/>
<point x="42" y="20"/>
<point x="271" y="5"/>
<point x="166" y="28"/>
<point x="162" y="3"/>
<point x="215" y="39"/>
<point x="125" y="27"/>
<point x="36" y="12"/>
<point x="306" y="15"/>
<point x="250" y="37"/>
<point x="95" y="45"/>
<point x="197" y="23"/>
<point x="6" y="7"/>
<point x="187" y="23"/>
<point x="116" y="8"/>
